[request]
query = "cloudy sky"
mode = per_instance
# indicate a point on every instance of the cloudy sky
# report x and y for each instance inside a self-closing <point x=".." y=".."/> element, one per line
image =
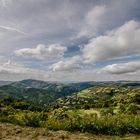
<point x="70" y="40"/>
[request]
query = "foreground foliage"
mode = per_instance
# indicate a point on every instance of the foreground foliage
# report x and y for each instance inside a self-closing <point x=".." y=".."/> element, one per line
<point x="109" y="110"/>
<point x="12" y="132"/>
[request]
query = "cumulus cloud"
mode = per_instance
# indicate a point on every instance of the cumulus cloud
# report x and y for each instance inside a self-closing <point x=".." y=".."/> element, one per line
<point x="107" y="15"/>
<point x="5" y="3"/>
<point x="13" y="71"/>
<point x="122" y="68"/>
<point x="70" y="64"/>
<point x="42" y="52"/>
<point x="92" y="21"/>
<point x="14" y="68"/>
<point x="92" y="75"/>
<point x="10" y="67"/>
<point x="122" y="41"/>
<point x="52" y="21"/>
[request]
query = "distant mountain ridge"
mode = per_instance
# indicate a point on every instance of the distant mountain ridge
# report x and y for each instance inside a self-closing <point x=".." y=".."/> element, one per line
<point x="31" y="83"/>
<point x="44" y="93"/>
<point x="41" y="92"/>
<point x="2" y="83"/>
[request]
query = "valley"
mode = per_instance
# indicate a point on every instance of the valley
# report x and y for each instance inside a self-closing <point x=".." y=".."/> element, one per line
<point x="93" y="109"/>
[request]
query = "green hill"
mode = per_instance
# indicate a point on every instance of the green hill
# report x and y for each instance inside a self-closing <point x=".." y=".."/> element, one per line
<point x="40" y="92"/>
<point x="102" y="97"/>
<point x="109" y="108"/>
<point x="45" y="93"/>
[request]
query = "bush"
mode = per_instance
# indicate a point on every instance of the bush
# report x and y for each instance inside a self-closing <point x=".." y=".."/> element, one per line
<point x="33" y="119"/>
<point x="133" y="108"/>
<point x="109" y="124"/>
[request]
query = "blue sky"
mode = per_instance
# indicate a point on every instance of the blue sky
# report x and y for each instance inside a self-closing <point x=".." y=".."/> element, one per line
<point x="70" y="40"/>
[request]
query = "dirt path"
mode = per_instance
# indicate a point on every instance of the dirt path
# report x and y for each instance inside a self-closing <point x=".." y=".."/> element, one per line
<point x="12" y="132"/>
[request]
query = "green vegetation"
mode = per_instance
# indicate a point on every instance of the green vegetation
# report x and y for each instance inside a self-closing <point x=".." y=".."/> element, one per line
<point x="39" y="92"/>
<point x="101" y="109"/>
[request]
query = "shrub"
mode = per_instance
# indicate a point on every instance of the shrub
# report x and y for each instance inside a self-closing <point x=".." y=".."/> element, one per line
<point x="109" y="124"/>
<point x="133" y="108"/>
<point x="33" y="119"/>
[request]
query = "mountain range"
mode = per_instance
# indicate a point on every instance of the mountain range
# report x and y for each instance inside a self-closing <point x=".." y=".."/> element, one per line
<point x="45" y="93"/>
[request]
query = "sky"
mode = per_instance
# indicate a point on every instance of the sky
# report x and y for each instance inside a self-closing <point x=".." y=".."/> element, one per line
<point x="70" y="40"/>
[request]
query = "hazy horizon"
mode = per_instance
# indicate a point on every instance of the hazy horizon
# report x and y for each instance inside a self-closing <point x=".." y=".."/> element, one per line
<point x="70" y="81"/>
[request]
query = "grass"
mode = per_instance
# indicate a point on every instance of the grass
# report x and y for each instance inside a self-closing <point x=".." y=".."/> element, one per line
<point x="12" y="132"/>
<point x="109" y="125"/>
<point x="91" y="121"/>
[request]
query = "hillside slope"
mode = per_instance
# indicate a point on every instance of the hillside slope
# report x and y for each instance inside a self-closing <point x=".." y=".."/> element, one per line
<point x="40" y="92"/>
<point x="44" y="93"/>
<point x="102" y="109"/>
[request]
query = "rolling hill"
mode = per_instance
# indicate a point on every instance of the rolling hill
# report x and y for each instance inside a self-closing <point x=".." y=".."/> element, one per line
<point x="2" y="83"/>
<point x="108" y="108"/>
<point x="40" y="92"/>
<point x="45" y="93"/>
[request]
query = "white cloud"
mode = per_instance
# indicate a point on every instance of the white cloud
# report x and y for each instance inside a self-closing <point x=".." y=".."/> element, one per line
<point x="14" y="68"/>
<point x="43" y="52"/>
<point x="14" y="71"/>
<point x="107" y="15"/>
<point x="92" y="21"/>
<point x="122" y="68"/>
<point x="5" y="3"/>
<point x="70" y="64"/>
<point x="12" y="29"/>
<point x="50" y="22"/>
<point x="123" y="41"/>
<point x="92" y="75"/>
